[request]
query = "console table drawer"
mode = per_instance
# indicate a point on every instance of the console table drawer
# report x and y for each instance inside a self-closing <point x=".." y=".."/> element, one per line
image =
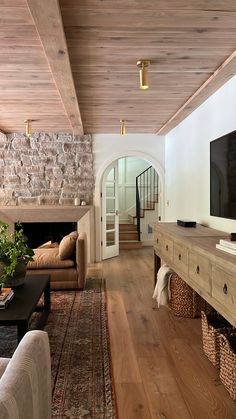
<point x="157" y="240"/>
<point x="200" y="271"/>
<point x="224" y="287"/>
<point x="180" y="257"/>
<point x="167" y="249"/>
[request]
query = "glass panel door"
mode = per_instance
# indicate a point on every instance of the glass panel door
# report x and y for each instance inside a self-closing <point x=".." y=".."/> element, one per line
<point x="110" y="217"/>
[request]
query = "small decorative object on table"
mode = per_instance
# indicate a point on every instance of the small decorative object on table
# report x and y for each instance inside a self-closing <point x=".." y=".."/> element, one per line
<point x="5" y="293"/>
<point x="83" y="203"/>
<point x="77" y="201"/>
<point x="186" y="223"/>
<point x="5" y="297"/>
<point x="14" y="255"/>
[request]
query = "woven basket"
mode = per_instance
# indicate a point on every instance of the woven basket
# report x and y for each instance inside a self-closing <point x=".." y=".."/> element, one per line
<point x="184" y="301"/>
<point x="213" y="325"/>
<point x="228" y="362"/>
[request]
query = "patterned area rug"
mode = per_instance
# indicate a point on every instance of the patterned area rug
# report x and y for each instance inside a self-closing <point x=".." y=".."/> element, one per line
<point x="79" y="341"/>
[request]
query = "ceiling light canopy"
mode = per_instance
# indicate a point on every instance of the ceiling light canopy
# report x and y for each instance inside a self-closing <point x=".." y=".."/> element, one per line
<point x="143" y="73"/>
<point x="122" y="127"/>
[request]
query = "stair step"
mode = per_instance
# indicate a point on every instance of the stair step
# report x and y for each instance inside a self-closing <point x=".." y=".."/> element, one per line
<point x="148" y="209"/>
<point x="123" y="227"/>
<point x="130" y="244"/>
<point x="153" y="202"/>
<point x="133" y="217"/>
<point x="128" y="235"/>
<point x="150" y="205"/>
<point x="127" y="227"/>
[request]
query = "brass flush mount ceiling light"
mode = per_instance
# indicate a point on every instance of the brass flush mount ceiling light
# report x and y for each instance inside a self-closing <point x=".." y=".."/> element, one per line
<point x="28" y="127"/>
<point x="122" y="127"/>
<point x="28" y="130"/>
<point x="143" y="73"/>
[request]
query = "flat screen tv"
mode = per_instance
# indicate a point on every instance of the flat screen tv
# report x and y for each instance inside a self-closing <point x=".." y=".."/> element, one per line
<point x="223" y="176"/>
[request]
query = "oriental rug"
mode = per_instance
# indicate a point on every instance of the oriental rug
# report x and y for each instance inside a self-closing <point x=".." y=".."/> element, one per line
<point x="77" y="326"/>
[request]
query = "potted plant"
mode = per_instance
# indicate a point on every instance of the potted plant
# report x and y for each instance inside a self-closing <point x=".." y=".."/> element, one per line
<point x="14" y="255"/>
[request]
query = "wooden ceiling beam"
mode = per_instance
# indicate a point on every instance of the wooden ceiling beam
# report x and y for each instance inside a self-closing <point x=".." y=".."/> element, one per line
<point x="49" y="25"/>
<point x="225" y="72"/>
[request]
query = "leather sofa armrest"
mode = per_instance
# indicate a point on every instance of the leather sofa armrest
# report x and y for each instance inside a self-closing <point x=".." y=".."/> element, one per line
<point x="81" y="259"/>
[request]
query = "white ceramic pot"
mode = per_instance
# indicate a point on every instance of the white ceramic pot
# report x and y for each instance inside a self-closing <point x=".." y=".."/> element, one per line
<point x="77" y="201"/>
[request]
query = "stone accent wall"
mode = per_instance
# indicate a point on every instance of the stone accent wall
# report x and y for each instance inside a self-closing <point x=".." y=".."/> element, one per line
<point x="47" y="169"/>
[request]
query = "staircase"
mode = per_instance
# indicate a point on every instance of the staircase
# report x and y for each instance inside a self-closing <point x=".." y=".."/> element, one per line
<point x="128" y="236"/>
<point x="146" y="196"/>
<point x="146" y="199"/>
<point x="150" y="206"/>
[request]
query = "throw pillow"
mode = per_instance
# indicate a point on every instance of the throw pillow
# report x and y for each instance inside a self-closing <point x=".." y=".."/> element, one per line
<point x="73" y="234"/>
<point x="48" y="245"/>
<point x="67" y="245"/>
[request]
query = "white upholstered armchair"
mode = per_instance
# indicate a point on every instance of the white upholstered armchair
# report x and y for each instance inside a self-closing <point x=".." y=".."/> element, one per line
<point x="25" y="379"/>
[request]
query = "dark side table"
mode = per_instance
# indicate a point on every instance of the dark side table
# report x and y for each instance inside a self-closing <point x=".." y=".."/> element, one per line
<point x="24" y="303"/>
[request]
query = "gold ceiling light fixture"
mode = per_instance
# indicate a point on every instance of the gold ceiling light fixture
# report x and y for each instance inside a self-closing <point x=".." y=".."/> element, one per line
<point x="122" y="127"/>
<point x="143" y="74"/>
<point x="28" y="127"/>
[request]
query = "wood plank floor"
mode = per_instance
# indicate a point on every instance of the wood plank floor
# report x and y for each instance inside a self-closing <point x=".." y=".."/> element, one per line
<point x="160" y="370"/>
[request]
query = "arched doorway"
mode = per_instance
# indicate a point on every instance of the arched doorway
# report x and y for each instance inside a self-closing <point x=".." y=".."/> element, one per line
<point x="99" y="185"/>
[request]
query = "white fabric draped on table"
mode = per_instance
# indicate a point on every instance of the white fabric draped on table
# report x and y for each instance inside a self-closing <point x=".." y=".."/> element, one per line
<point x="162" y="290"/>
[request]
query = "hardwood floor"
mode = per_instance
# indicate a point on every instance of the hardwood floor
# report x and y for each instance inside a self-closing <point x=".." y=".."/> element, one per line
<point x="160" y="370"/>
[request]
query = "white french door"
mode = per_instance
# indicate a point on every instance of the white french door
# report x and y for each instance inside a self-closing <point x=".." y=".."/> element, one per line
<point x="110" y="214"/>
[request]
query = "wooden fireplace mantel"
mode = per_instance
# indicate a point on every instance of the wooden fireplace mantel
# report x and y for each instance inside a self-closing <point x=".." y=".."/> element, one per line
<point x="83" y="215"/>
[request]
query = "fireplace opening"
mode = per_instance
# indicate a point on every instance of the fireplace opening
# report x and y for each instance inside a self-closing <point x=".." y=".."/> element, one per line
<point x="39" y="233"/>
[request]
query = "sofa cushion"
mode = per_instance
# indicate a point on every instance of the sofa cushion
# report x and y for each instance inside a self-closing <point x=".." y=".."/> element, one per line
<point x="67" y="245"/>
<point x="48" y="259"/>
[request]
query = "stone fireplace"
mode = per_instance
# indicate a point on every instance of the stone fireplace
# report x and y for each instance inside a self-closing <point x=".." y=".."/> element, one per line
<point x="82" y="216"/>
<point x="41" y="177"/>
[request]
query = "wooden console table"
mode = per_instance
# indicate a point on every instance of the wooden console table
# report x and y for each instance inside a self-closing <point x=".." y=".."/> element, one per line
<point x="191" y="252"/>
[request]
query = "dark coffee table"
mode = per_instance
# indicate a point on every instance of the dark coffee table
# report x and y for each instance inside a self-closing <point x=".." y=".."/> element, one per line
<point x="24" y="303"/>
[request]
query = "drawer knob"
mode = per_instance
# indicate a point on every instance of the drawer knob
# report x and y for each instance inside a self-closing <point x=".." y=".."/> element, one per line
<point x="180" y="257"/>
<point x="225" y="289"/>
<point x="167" y="247"/>
<point x="157" y="240"/>
<point x="198" y="269"/>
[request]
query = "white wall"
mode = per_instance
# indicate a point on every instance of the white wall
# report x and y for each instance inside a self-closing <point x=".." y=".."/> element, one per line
<point x="110" y="147"/>
<point x="187" y="159"/>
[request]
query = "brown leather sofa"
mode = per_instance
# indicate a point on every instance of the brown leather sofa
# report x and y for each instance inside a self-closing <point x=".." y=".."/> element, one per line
<point x="68" y="272"/>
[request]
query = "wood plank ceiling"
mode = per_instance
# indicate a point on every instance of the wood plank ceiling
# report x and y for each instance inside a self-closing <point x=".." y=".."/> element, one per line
<point x="71" y="65"/>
